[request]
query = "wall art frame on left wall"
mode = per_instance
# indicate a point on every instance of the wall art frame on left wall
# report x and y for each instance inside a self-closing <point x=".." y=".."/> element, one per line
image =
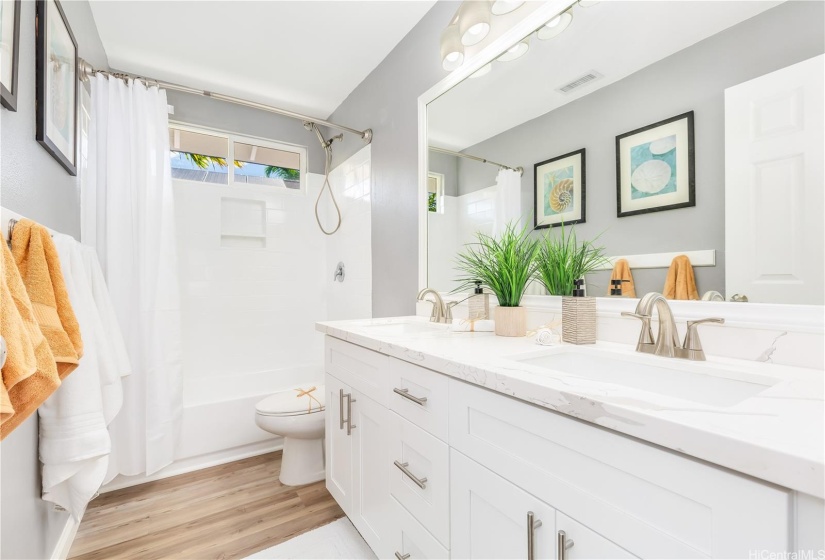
<point x="9" y="51"/>
<point x="57" y="86"/>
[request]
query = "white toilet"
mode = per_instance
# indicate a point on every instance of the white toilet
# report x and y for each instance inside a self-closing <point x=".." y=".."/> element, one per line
<point x="297" y="414"/>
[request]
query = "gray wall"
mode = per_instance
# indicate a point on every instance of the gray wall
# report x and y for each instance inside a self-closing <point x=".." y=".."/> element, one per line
<point x="203" y="111"/>
<point x="387" y="101"/>
<point x="32" y="183"/>
<point x="447" y="165"/>
<point x="693" y="79"/>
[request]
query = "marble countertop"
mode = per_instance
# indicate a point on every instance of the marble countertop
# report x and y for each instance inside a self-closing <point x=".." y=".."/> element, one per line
<point x="776" y="435"/>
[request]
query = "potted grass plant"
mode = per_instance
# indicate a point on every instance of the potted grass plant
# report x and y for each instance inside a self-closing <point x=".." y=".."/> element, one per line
<point x="504" y="264"/>
<point x="562" y="260"/>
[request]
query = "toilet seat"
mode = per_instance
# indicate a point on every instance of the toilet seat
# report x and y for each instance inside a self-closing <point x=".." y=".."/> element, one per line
<point x="297" y="401"/>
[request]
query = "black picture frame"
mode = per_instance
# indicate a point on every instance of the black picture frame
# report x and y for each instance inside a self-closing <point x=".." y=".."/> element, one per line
<point x="68" y="161"/>
<point x="8" y="92"/>
<point x="688" y="119"/>
<point x="537" y="214"/>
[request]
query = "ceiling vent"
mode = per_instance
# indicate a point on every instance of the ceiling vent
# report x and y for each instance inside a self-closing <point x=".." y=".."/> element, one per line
<point x="579" y="82"/>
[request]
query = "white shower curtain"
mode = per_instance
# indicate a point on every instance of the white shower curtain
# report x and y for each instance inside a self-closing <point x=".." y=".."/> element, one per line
<point x="128" y="216"/>
<point x="507" y="201"/>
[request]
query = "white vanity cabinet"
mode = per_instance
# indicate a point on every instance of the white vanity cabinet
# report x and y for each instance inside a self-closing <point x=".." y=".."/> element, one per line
<point x="357" y="433"/>
<point x="434" y="467"/>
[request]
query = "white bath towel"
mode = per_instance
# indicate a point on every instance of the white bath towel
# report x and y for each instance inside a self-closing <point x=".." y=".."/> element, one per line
<point x="114" y="360"/>
<point x="74" y="440"/>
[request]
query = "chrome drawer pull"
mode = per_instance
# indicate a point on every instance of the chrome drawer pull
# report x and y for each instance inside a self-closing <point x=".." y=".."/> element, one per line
<point x="341" y="409"/>
<point x="402" y="556"/>
<point x="406" y="394"/>
<point x="350" y="425"/>
<point x="420" y="482"/>
<point x="532" y="525"/>
<point x="562" y="546"/>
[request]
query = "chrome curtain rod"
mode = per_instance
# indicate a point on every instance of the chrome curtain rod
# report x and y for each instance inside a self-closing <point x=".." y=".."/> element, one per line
<point x="520" y="170"/>
<point x="86" y="71"/>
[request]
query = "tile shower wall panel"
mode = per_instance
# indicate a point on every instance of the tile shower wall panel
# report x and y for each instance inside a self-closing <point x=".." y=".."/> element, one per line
<point x="244" y="310"/>
<point x="352" y="244"/>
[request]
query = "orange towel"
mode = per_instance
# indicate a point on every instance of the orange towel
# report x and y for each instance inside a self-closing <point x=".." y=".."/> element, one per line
<point x="29" y="375"/>
<point x="39" y="266"/>
<point x="621" y="271"/>
<point x="680" y="282"/>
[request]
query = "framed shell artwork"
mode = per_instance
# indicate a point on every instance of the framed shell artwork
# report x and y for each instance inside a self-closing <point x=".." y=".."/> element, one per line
<point x="559" y="190"/>
<point x="655" y="167"/>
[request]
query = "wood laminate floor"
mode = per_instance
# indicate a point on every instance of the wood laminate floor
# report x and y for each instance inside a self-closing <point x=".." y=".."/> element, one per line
<point x="228" y="511"/>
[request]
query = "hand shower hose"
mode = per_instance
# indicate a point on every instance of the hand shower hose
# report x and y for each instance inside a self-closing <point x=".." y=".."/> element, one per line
<point x="327" y="145"/>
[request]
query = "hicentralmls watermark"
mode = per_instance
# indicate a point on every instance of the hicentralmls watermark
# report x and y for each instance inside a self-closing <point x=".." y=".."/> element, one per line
<point x="795" y="555"/>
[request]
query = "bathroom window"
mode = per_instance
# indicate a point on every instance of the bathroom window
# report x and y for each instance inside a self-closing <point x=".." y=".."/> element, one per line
<point x="208" y="156"/>
<point x="435" y="192"/>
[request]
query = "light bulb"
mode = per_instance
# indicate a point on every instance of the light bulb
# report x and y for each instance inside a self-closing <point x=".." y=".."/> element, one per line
<point x="479" y="28"/>
<point x="555" y="26"/>
<point x="453" y="56"/>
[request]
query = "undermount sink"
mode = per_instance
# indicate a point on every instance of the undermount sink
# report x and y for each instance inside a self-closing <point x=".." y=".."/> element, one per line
<point x="701" y="383"/>
<point x="407" y="328"/>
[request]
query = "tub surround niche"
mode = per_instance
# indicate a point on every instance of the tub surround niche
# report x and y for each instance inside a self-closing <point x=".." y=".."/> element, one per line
<point x="696" y="479"/>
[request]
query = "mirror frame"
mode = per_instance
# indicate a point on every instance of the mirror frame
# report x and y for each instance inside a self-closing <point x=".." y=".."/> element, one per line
<point x="804" y="318"/>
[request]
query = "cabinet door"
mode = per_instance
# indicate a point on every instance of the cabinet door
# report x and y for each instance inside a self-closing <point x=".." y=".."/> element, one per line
<point x="371" y="508"/>
<point x="338" y="445"/>
<point x="489" y="515"/>
<point x="582" y="543"/>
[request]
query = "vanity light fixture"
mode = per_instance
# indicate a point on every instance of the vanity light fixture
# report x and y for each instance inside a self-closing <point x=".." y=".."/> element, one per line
<point x="516" y="51"/>
<point x="474" y="21"/>
<point x="452" y="51"/>
<point x="501" y="7"/>
<point x="555" y="26"/>
<point x="483" y="71"/>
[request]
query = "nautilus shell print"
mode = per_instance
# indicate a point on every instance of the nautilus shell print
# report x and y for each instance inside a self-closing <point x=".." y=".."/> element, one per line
<point x="561" y="195"/>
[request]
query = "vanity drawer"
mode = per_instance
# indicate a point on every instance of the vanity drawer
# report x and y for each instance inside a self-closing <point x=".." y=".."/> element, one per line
<point x="420" y="395"/>
<point x="651" y="502"/>
<point x="363" y="370"/>
<point x="411" y="538"/>
<point x="415" y="455"/>
<point x="586" y="544"/>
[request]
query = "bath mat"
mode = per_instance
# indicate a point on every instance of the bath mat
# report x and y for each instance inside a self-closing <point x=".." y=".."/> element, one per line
<point x="335" y="541"/>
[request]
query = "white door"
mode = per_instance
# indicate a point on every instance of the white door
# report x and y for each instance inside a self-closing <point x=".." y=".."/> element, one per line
<point x="489" y="515"/>
<point x="774" y="185"/>
<point x="372" y="513"/>
<point x="338" y="444"/>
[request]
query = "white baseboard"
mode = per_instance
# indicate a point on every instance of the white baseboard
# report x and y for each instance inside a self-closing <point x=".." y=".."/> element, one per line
<point x="64" y="543"/>
<point x="197" y="463"/>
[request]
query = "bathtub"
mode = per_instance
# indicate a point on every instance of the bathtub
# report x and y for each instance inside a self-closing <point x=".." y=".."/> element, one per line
<point x="219" y="412"/>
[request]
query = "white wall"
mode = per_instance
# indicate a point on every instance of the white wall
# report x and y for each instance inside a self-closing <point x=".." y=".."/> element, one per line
<point x="352" y="298"/>
<point x="447" y="233"/>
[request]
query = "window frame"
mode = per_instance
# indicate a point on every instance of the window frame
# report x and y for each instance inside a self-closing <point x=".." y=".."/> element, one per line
<point x="439" y="191"/>
<point x="231" y="139"/>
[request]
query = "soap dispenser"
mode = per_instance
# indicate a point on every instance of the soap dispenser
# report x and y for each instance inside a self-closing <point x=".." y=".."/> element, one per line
<point x="616" y="286"/>
<point x="578" y="316"/>
<point x="478" y="305"/>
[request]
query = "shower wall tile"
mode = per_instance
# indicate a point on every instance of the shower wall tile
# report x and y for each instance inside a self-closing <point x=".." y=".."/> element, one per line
<point x="352" y="244"/>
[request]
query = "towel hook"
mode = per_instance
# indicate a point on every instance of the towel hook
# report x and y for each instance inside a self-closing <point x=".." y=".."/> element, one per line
<point x="12" y="222"/>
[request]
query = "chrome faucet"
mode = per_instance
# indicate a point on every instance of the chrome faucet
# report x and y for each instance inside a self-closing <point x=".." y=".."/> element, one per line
<point x="441" y="313"/>
<point x="666" y="343"/>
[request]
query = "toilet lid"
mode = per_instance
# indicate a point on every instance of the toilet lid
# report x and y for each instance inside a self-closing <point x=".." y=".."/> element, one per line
<point x="304" y="399"/>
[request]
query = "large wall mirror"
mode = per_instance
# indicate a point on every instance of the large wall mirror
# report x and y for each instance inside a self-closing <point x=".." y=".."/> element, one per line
<point x="658" y="129"/>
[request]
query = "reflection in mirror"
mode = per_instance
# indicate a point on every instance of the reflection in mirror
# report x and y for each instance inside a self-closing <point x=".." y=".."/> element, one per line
<point x="660" y="129"/>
